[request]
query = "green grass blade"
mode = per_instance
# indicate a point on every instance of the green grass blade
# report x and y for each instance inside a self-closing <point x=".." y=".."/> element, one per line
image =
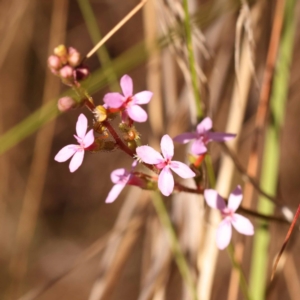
<point x="260" y="256"/>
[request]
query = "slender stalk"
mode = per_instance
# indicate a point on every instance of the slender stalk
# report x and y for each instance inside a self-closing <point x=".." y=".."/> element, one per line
<point x="117" y="27"/>
<point x="192" y="62"/>
<point x="94" y="31"/>
<point x="174" y="244"/>
<point x="236" y="265"/>
<point x="271" y="153"/>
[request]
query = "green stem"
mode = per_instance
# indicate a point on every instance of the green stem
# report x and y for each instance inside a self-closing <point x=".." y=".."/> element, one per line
<point x="192" y="62"/>
<point x="174" y="244"/>
<point x="95" y="34"/>
<point x="210" y="171"/>
<point x="236" y="265"/>
<point x="270" y="167"/>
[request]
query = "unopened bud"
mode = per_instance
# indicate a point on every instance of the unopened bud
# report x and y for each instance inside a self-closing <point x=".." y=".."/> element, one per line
<point x="81" y="73"/>
<point x="100" y="113"/>
<point x="66" y="103"/>
<point x="66" y="74"/>
<point x="54" y="63"/>
<point x="131" y="145"/>
<point x="60" y="50"/>
<point x="73" y="57"/>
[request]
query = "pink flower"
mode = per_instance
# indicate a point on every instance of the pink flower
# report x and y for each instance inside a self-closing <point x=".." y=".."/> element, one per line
<point x="121" y="177"/>
<point x="164" y="163"/>
<point x="240" y="223"/>
<point x="203" y="136"/>
<point x="77" y="151"/>
<point x="128" y="101"/>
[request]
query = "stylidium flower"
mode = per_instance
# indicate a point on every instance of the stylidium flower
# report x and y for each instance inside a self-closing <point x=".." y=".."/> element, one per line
<point x="77" y="151"/>
<point x="164" y="163"/>
<point x="240" y="223"/>
<point x="129" y="102"/>
<point x="121" y="177"/>
<point x="203" y="136"/>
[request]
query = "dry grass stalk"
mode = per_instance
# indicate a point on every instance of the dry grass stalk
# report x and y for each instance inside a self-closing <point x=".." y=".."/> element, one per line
<point x="223" y="186"/>
<point x="38" y="170"/>
<point x="132" y="205"/>
<point x="261" y="117"/>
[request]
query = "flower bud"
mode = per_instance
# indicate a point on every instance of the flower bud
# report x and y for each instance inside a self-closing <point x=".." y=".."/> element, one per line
<point x="81" y="73"/>
<point x="66" y="103"/>
<point x="73" y="57"/>
<point x="54" y="63"/>
<point x="100" y="113"/>
<point x="66" y="74"/>
<point x="131" y="145"/>
<point x="60" y="50"/>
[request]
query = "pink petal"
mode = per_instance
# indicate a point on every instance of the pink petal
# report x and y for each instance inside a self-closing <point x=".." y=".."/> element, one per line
<point x="126" y="85"/>
<point x="167" y="147"/>
<point x="235" y="198"/>
<point x="81" y="126"/>
<point x="148" y="155"/>
<point x="114" y="193"/>
<point x="65" y="153"/>
<point x="198" y="147"/>
<point x="224" y="233"/>
<point x="143" y="97"/>
<point x="204" y="126"/>
<point x="181" y="169"/>
<point x="89" y="138"/>
<point x="118" y="175"/>
<point x="113" y="100"/>
<point x="136" y="113"/>
<point x="214" y="200"/>
<point x="220" y="136"/>
<point x="185" y="137"/>
<point x="242" y="224"/>
<point x="76" y="161"/>
<point x="166" y="182"/>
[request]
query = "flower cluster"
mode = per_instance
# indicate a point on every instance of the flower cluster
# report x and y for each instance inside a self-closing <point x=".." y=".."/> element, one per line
<point x="66" y="63"/>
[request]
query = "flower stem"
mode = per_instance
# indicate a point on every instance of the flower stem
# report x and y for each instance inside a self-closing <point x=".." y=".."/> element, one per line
<point x="174" y="244"/>
<point x="236" y="265"/>
<point x="192" y="62"/>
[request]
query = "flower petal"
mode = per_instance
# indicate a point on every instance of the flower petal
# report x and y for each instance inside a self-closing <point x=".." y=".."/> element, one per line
<point x="118" y="175"/>
<point x="89" y="138"/>
<point x="224" y="233"/>
<point x="65" y="153"/>
<point x="114" y="193"/>
<point x="136" y="113"/>
<point x="181" y="169"/>
<point x="166" y="182"/>
<point x="220" y="136"/>
<point x="143" y="97"/>
<point x="214" y="200"/>
<point x="113" y="100"/>
<point x="76" y="160"/>
<point x="148" y="155"/>
<point x="198" y="147"/>
<point x="81" y="126"/>
<point x="235" y="198"/>
<point x="185" y="137"/>
<point x="204" y="125"/>
<point x="167" y="146"/>
<point x="126" y="85"/>
<point x="242" y="224"/>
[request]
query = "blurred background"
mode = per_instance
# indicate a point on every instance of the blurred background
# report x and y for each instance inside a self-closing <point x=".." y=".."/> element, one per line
<point x="58" y="239"/>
